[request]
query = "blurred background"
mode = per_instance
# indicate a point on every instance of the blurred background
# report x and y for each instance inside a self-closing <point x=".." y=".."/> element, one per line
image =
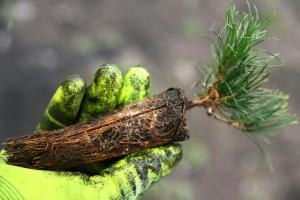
<point x="41" y="42"/>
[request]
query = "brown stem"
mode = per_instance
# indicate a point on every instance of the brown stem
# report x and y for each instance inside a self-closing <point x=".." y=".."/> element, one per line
<point x="198" y="102"/>
<point x="208" y="103"/>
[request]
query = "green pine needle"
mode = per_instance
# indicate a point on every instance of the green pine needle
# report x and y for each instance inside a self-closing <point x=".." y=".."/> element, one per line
<point x="241" y="70"/>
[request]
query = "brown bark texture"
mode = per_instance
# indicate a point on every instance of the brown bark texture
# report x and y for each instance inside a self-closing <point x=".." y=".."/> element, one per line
<point x="156" y="121"/>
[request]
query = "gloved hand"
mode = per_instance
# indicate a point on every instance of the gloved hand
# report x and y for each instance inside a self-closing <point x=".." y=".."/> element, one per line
<point x="127" y="178"/>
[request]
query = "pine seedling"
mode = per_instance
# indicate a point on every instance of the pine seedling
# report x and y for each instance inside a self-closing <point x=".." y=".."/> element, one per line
<point x="233" y="90"/>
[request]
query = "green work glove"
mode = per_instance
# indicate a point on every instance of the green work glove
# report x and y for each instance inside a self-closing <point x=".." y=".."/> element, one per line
<point x="127" y="178"/>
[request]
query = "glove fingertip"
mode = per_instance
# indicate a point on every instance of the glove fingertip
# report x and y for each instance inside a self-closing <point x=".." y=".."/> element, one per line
<point x="64" y="104"/>
<point x="135" y="87"/>
<point x="101" y="95"/>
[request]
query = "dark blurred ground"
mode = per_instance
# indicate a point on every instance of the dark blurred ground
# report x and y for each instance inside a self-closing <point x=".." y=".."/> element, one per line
<point x="41" y="42"/>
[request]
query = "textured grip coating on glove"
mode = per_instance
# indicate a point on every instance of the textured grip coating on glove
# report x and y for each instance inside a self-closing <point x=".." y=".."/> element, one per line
<point x="131" y="177"/>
